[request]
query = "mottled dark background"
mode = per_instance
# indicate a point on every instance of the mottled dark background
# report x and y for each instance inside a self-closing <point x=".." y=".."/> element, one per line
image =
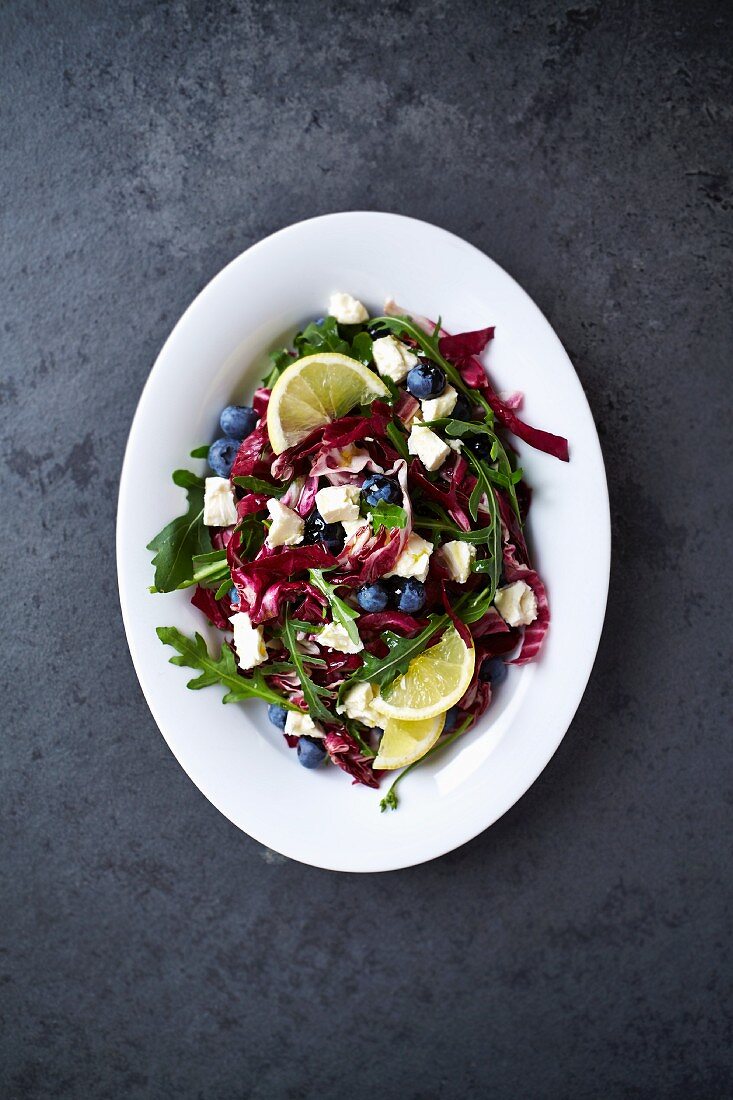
<point x="578" y="948"/>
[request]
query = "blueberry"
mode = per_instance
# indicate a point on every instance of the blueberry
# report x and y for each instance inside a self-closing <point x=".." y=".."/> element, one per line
<point x="426" y="380"/>
<point x="221" y="456"/>
<point x="377" y="332"/>
<point x="233" y="595"/>
<point x="378" y="487"/>
<point x="451" y="718"/>
<point x="408" y="595"/>
<point x="310" y="752"/>
<point x="493" y="671"/>
<point x="463" y="409"/>
<point x="373" y="597"/>
<point x="277" y="715"/>
<point x="317" y="530"/>
<point x="479" y="444"/>
<point x="238" y="421"/>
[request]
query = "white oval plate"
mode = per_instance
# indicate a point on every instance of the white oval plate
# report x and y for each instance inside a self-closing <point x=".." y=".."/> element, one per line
<point x="215" y="355"/>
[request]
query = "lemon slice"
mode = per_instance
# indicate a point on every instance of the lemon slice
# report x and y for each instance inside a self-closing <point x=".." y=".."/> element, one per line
<point x="405" y="742"/>
<point x="315" y="391"/>
<point x="434" y="681"/>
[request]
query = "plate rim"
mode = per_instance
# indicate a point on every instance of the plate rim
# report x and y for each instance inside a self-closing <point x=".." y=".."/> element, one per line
<point x="451" y="844"/>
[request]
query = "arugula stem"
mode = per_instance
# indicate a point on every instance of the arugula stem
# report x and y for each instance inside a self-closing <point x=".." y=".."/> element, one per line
<point x="390" y="800"/>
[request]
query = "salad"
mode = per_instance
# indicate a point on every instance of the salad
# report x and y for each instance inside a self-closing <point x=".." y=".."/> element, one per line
<point x="359" y="542"/>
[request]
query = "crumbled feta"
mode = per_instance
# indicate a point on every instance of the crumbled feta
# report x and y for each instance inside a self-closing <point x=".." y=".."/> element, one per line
<point x="297" y="723"/>
<point x="458" y="557"/>
<point x="455" y="444"/>
<point x="351" y="526"/>
<point x="517" y="604"/>
<point x="392" y="358"/>
<point x="414" y="561"/>
<point x="429" y="448"/>
<point x="443" y="405"/>
<point x="220" y="509"/>
<point x="286" y="528"/>
<point x="347" y="310"/>
<point x="335" y="636"/>
<point x="359" y="704"/>
<point x="338" y="503"/>
<point x="248" y="641"/>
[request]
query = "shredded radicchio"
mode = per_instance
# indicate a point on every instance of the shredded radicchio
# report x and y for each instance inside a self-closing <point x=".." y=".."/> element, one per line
<point x="462" y="350"/>
<point x="345" y="752"/>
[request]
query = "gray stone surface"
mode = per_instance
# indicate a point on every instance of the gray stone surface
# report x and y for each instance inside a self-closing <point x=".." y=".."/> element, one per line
<point x="578" y="948"/>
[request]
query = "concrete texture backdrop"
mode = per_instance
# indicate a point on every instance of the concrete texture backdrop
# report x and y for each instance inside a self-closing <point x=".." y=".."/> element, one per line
<point x="578" y="948"/>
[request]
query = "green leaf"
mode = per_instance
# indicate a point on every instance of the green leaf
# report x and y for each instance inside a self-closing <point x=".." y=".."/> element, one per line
<point x="200" y="452"/>
<point x="361" y="348"/>
<point x="494" y="546"/>
<point x="399" y="440"/>
<point x="252" y="533"/>
<point x="181" y="539"/>
<point x="321" y="336"/>
<point x="281" y="360"/>
<point x="312" y="693"/>
<point x="223" y="588"/>
<point x="257" y="485"/>
<point x="208" y="569"/>
<point x="481" y="534"/>
<point x="505" y="475"/>
<point x="340" y="611"/>
<point x="383" y="670"/>
<point x="194" y="653"/>
<point x="387" y="515"/>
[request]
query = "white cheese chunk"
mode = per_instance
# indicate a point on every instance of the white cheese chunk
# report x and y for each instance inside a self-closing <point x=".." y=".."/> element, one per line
<point x="220" y="509"/>
<point x="517" y="604"/>
<point x="335" y="636"/>
<point x="351" y="526"/>
<point x="458" y="557"/>
<point x="429" y="448"/>
<point x="443" y="405"/>
<point x="455" y="444"/>
<point x="392" y="358"/>
<point x="248" y="641"/>
<point x="298" y="724"/>
<point x="347" y="310"/>
<point x="286" y="528"/>
<point x="338" y="503"/>
<point x="359" y="704"/>
<point x="414" y="561"/>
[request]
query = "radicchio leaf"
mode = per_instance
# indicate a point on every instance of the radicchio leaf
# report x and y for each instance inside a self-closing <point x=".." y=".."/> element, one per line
<point x="345" y="752"/>
<point x="203" y="599"/>
<point x="534" y="634"/>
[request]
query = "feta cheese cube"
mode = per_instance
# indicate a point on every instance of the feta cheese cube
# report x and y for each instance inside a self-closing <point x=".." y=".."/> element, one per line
<point x="220" y="509"/>
<point x="458" y="557"/>
<point x="392" y="358"/>
<point x="347" y="310"/>
<point x="286" y="528"/>
<point x="248" y="641"/>
<point x="429" y="448"/>
<point x="414" y="561"/>
<point x="359" y="704"/>
<point x="443" y="405"/>
<point x="297" y="723"/>
<point x="517" y="604"/>
<point x="338" y="503"/>
<point x="351" y="526"/>
<point x="335" y="636"/>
